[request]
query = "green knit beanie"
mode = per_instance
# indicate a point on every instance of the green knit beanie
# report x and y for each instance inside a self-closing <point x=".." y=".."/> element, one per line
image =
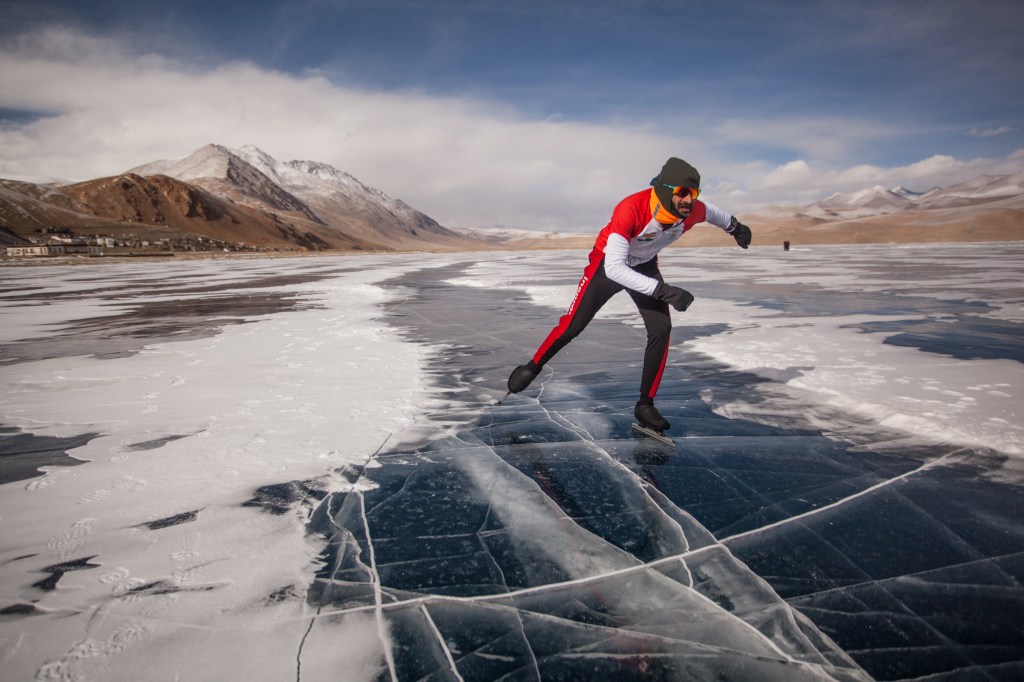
<point x="675" y="173"/>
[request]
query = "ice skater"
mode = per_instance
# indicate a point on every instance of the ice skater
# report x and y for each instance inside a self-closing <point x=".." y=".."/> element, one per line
<point x="625" y="256"/>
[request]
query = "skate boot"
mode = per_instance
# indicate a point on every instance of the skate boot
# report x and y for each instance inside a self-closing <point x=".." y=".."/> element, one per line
<point x="522" y="376"/>
<point x="649" y="417"/>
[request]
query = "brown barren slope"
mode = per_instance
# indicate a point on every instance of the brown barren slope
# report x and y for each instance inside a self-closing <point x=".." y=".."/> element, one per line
<point x="163" y="201"/>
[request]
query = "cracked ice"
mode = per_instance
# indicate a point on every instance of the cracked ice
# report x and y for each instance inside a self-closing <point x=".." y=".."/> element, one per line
<point x="294" y="468"/>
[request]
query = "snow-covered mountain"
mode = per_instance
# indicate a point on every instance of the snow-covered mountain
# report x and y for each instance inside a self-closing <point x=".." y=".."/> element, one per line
<point x="311" y="190"/>
<point x="982" y="188"/>
<point x="229" y="196"/>
<point x="876" y="199"/>
<point x="986" y="208"/>
<point x="216" y="163"/>
<point x="879" y="200"/>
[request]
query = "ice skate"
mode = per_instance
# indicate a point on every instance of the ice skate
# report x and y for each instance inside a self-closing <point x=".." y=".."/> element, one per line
<point x="651" y="423"/>
<point x="522" y="376"/>
<point x="649" y="417"/>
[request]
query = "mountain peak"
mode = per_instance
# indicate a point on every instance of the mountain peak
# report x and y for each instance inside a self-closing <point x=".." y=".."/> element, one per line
<point x="258" y="159"/>
<point x="877" y="200"/>
<point x="319" y="191"/>
<point x="874" y="197"/>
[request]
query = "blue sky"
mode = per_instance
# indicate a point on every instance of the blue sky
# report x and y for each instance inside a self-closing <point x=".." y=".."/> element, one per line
<point x="526" y="114"/>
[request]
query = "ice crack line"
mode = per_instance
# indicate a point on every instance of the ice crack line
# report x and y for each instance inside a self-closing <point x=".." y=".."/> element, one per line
<point x="838" y="503"/>
<point x="644" y="489"/>
<point x="557" y="418"/>
<point x="339" y="529"/>
<point x="441" y="642"/>
<point x="377" y="596"/>
<point x="319" y="608"/>
<point x="528" y="591"/>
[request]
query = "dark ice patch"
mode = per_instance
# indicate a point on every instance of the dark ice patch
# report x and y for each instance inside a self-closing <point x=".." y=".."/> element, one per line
<point x="284" y="594"/>
<point x="154" y="444"/>
<point x="964" y="337"/>
<point x="159" y="587"/>
<point x="20" y="610"/>
<point x="281" y="497"/>
<point x="21" y="454"/>
<point x="57" y="571"/>
<point x="176" y="520"/>
<point x="143" y="323"/>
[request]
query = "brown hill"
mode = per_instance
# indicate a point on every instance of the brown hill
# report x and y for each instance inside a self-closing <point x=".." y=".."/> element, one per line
<point x="26" y="207"/>
<point x="310" y="190"/>
<point x="237" y="198"/>
<point x="975" y="221"/>
<point x="168" y="203"/>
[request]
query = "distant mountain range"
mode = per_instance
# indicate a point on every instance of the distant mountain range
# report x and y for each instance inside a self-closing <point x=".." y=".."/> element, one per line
<point x="981" y="190"/>
<point x="244" y="197"/>
<point x="987" y="208"/>
<point x="241" y="196"/>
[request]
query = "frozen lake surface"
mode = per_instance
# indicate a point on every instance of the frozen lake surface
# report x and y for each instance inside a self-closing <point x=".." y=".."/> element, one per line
<point x="294" y="469"/>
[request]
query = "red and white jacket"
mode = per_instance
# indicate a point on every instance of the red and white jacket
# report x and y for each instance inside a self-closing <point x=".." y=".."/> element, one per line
<point x="633" y="236"/>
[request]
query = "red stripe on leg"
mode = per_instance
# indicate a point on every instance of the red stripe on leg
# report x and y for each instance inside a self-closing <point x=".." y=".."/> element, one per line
<point x="661" y="370"/>
<point x="565" y="320"/>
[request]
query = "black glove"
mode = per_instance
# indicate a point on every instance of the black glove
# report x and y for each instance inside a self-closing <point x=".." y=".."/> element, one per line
<point x="740" y="232"/>
<point x="680" y="299"/>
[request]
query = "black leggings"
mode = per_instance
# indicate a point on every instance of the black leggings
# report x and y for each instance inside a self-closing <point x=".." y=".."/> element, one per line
<point x="594" y="290"/>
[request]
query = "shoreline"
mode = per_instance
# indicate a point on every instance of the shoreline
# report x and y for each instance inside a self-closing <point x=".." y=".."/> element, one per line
<point x="572" y="244"/>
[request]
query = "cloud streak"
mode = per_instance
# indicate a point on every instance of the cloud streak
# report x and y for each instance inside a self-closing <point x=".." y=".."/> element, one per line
<point x="103" y="109"/>
<point x="990" y="132"/>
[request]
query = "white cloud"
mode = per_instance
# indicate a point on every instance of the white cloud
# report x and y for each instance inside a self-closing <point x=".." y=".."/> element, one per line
<point x="817" y="138"/>
<point x="463" y="161"/>
<point x="990" y="132"/>
<point x="787" y="175"/>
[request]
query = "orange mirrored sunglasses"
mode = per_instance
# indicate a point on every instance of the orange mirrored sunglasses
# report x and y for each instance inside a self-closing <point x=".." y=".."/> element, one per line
<point x="694" y="192"/>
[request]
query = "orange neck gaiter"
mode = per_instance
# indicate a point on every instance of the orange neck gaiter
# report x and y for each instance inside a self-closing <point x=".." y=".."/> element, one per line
<point x="660" y="213"/>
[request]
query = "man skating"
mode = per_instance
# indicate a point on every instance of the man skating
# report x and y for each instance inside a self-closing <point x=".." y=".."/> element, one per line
<point x="625" y="257"/>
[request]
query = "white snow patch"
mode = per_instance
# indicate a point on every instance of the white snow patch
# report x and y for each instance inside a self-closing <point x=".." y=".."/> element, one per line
<point x="292" y="396"/>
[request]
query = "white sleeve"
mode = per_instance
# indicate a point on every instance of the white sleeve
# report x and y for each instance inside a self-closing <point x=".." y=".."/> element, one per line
<point x="615" y="253"/>
<point x="717" y="216"/>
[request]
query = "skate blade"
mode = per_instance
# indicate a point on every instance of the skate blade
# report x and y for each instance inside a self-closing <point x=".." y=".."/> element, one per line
<point x="651" y="433"/>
